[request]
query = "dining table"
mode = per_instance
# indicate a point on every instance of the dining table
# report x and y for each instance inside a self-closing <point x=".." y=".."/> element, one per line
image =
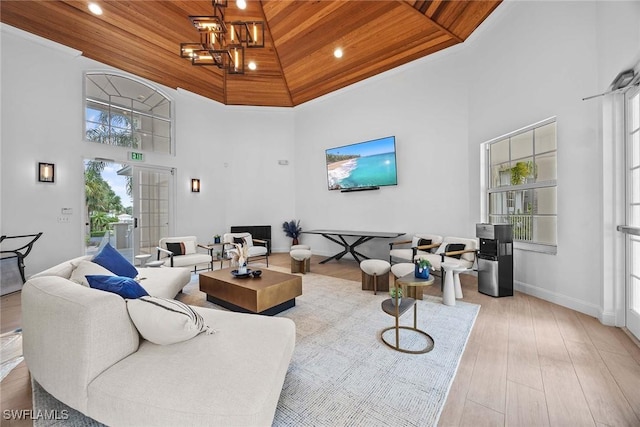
<point x="340" y="237"/>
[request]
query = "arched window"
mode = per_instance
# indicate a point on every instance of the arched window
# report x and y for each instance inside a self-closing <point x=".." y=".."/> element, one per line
<point x="125" y="112"/>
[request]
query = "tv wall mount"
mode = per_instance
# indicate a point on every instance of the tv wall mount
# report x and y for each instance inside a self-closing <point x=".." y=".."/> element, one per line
<point x="349" y="190"/>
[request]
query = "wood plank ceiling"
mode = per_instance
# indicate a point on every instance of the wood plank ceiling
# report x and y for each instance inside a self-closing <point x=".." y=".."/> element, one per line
<point x="295" y="66"/>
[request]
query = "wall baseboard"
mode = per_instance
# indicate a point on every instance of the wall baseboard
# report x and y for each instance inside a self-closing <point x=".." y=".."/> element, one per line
<point x="566" y="301"/>
<point x="606" y="318"/>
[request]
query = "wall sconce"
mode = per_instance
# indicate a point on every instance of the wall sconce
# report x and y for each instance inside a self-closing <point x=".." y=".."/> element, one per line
<point x="46" y="172"/>
<point x="195" y="185"/>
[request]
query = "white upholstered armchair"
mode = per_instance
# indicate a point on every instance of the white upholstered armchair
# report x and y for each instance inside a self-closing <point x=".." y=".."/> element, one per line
<point x="459" y="250"/>
<point x="184" y="252"/>
<point x="407" y="250"/>
<point x="256" y="248"/>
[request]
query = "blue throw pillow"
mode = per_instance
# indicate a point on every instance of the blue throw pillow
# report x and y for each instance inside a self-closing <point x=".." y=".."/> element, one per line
<point x="126" y="287"/>
<point x="113" y="261"/>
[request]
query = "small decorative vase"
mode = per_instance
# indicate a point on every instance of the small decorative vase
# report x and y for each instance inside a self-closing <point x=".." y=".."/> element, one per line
<point x="216" y="239"/>
<point x="242" y="268"/>
<point x="421" y="273"/>
<point x="295" y="241"/>
<point x="397" y="301"/>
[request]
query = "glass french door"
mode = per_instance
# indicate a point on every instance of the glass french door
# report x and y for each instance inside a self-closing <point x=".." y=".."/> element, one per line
<point x="128" y="206"/>
<point x="108" y="207"/>
<point x="153" y="190"/>
<point x="632" y="205"/>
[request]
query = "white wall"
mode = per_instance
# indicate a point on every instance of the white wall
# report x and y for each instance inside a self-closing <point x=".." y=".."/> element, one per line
<point x="534" y="63"/>
<point x="235" y="153"/>
<point x="424" y="106"/>
<point x="537" y="60"/>
<point x="42" y="113"/>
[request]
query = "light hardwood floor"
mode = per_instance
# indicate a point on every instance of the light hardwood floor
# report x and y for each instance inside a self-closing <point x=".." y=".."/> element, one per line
<point x="527" y="363"/>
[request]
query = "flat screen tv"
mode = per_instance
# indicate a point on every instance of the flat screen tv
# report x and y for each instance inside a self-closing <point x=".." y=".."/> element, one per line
<point x="362" y="166"/>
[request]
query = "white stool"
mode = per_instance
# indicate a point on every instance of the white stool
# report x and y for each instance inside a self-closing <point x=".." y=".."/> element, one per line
<point x="456" y="281"/>
<point x="300" y="260"/>
<point x="294" y="247"/>
<point x="375" y="275"/>
<point x="448" y="292"/>
<point x="402" y="269"/>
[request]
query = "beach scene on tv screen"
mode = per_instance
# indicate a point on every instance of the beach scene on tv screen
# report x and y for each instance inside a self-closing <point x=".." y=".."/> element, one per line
<point x="366" y="164"/>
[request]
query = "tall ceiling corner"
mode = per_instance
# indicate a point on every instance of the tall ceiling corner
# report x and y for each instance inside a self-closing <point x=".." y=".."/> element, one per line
<point x="296" y="64"/>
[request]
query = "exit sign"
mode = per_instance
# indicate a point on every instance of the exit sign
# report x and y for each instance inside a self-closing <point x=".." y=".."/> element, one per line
<point x="138" y="157"/>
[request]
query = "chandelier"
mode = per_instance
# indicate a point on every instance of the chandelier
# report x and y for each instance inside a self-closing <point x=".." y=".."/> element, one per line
<point x="222" y="43"/>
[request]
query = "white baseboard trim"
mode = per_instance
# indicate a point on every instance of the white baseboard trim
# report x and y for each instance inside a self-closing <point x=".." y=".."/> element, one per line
<point x="606" y="318"/>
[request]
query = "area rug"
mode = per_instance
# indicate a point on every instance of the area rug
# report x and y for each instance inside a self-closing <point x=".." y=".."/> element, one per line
<point x="10" y="352"/>
<point x="341" y="373"/>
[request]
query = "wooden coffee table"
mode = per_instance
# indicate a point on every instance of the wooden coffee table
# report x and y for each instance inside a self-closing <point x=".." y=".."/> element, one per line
<point x="268" y="294"/>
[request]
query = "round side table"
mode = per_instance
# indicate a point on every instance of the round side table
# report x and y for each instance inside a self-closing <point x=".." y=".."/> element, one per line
<point x="155" y="263"/>
<point x="389" y="306"/>
<point x="143" y="258"/>
<point x="414" y="285"/>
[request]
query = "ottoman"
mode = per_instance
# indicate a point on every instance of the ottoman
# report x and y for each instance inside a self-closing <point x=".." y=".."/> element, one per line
<point x="375" y="275"/>
<point x="300" y="260"/>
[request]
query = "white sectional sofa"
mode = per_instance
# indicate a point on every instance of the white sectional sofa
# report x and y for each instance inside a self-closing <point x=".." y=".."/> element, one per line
<point x="159" y="282"/>
<point x="82" y="347"/>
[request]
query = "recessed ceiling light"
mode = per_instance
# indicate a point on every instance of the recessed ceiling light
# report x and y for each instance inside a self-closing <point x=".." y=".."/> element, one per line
<point x="95" y="9"/>
<point x="242" y="4"/>
<point x="252" y="65"/>
<point x="337" y="53"/>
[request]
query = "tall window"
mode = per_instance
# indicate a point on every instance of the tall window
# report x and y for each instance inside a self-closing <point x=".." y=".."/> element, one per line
<point x="522" y="185"/>
<point x="124" y="112"/>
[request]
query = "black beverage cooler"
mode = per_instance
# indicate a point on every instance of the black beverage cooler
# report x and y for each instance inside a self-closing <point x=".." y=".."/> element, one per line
<point x="495" y="259"/>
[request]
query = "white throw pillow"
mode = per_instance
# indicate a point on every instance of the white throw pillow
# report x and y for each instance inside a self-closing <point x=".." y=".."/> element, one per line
<point x="165" y="321"/>
<point x="84" y="268"/>
<point x="189" y="247"/>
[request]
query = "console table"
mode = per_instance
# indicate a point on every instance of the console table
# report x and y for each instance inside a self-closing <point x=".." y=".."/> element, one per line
<point x="361" y="237"/>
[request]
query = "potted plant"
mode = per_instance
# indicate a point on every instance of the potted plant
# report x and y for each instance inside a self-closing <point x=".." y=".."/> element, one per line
<point x="522" y="171"/>
<point x="423" y="266"/>
<point x="396" y="292"/>
<point x="292" y="229"/>
<point x="216" y="238"/>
